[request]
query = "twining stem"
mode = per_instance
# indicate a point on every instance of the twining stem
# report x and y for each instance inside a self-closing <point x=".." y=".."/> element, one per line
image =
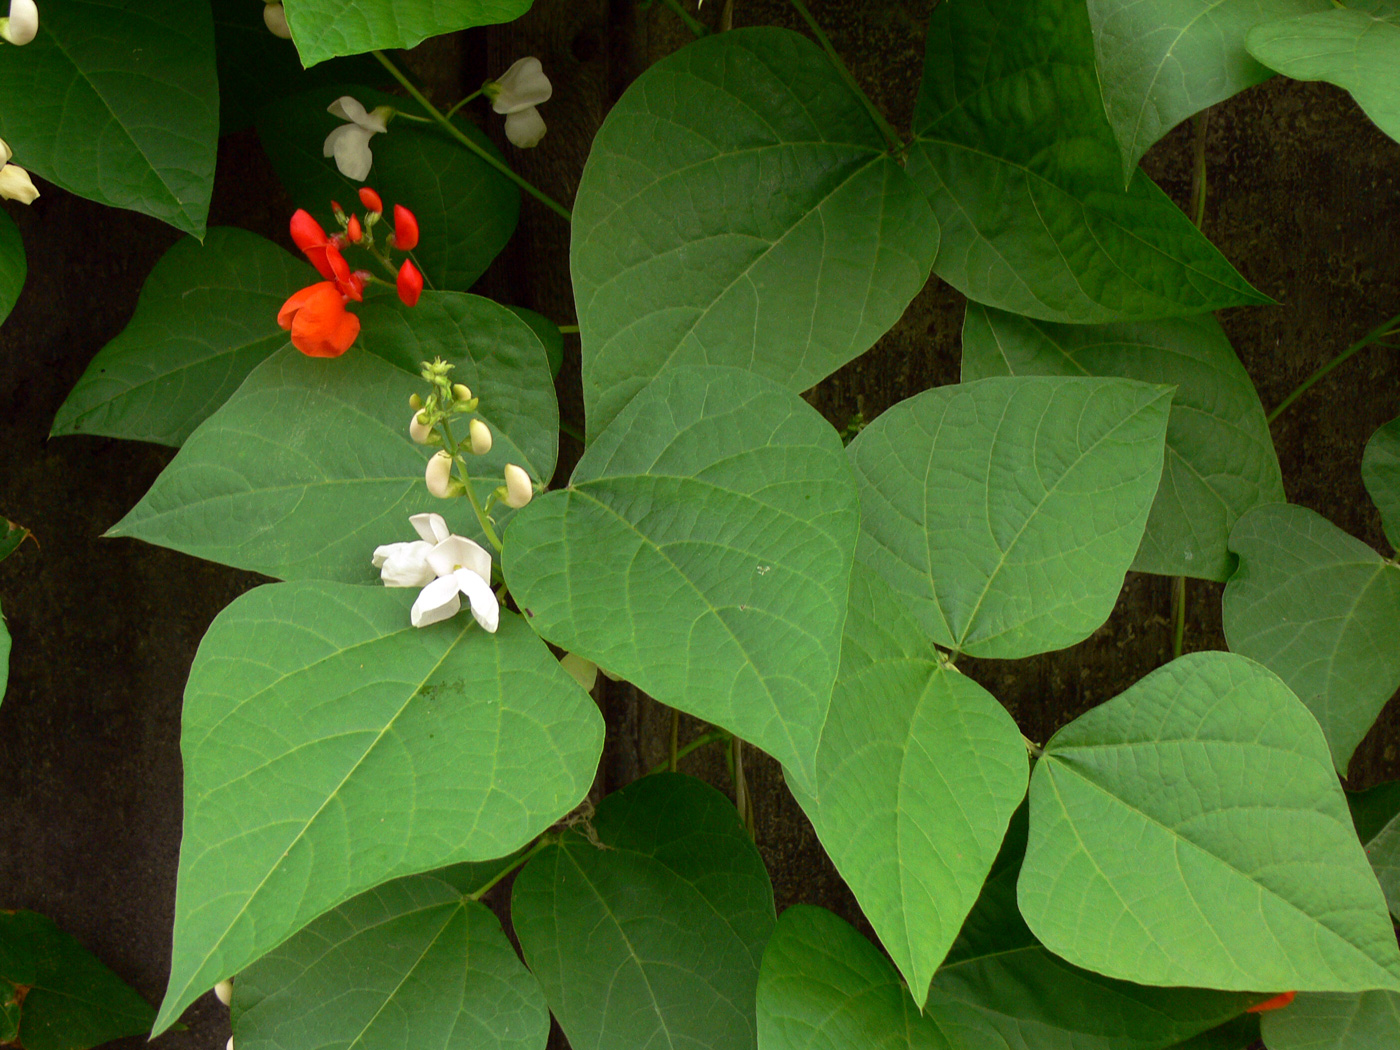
<point x="1375" y="335"/>
<point x="692" y="23"/>
<point x="457" y="133"/>
<point x="891" y="136"/>
<point x="695" y="745"/>
<point x="675" y="738"/>
<point x="743" y="801"/>
<point x="516" y="865"/>
<point x="1179" y="615"/>
<point x="1198" y="171"/>
<point x="481" y="516"/>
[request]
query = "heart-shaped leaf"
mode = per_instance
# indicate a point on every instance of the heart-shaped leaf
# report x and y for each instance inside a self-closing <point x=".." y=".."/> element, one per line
<point x="1023" y="171"/>
<point x="206" y="317"/>
<point x="13" y="267"/>
<point x="1006" y="512"/>
<point x="703" y="551"/>
<point x="1376" y="814"/>
<point x="740" y="207"/>
<point x="1380" y="470"/>
<point x="117" y="101"/>
<point x="649" y="931"/>
<point x="1220" y="459"/>
<point x="1318" y="608"/>
<point x="323" y="29"/>
<point x="466" y="209"/>
<point x="918" y="772"/>
<point x="329" y="746"/>
<point x="1176" y="836"/>
<point x="1365" y="1021"/>
<point x="409" y="965"/>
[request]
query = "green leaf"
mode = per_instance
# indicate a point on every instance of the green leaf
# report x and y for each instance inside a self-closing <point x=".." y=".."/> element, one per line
<point x="918" y="773"/>
<point x="1318" y="608"/>
<point x="1368" y="1021"/>
<point x="739" y="207"/>
<point x="308" y="466"/>
<point x="207" y="315"/>
<point x="117" y="101"/>
<point x="1220" y="459"/>
<point x="1376" y="814"/>
<point x="1380" y="470"/>
<point x="1240" y="1034"/>
<point x="409" y="965"/>
<point x="1177" y="833"/>
<point x="466" y="210"/>
<point x="1356" y="48"/>
<point x="1023" y="171"/>
<point x="13" y="268"/>
<point x="649" y="931"/>
<point x="548" y="333"/>
<point x="703" y="551"/>
<point x="11" y="536"/>
<point x="69" y="1000"/>
<point x="328" y="747"/>
<point x="323" y="29"/>
<point x="1160" y="61"/>
<point x="1006" y="512"/>
<point x="4" y="656"/>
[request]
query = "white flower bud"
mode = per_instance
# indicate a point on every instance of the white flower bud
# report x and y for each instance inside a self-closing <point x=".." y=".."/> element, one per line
<point x="276" y="19"/>
<point x="439" y="475"/>
<point x="461" y="391"/>
<point x="224" y="991"/>
<point x="230" y="1044"/>
<point x="15" y="185"/>
<point x="5" y="153"/>
<point x="419" y="431"/>
<point x="23" y="23"/>
<point x="519" y="488"/>
<point x="481" y="438"/>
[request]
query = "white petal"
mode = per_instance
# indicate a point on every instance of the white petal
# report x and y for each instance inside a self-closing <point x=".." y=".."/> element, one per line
<point x="438" y="601"/>
<point x="522" y="85"/>
<point x="349" y="145"/>
<point x="458" y="552"/>
<point x="16" y="185"/>
<point x="485" y="608"/>
<point x="430" y="526"/>
<point x="224" y="991"/>
<point x="404" y="564"/>
<point x="526" y="128"/>
<point x="24" y="21"/>
<point x="5" y="153"/>
<point x="347" y="108"/>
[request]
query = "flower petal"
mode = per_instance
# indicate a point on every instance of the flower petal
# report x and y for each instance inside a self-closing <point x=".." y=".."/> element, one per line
<point x="349" y="144"/>
<point x="522" y="85"/>
<point x="431" y="527"/>
<point x="404" y="564"/>
<point x="485" y="609"/>
<point x="458" y="552"/>
<point x="348" y="108"/>
<point x="525" y="128"/>
<point x="438" y="601"/>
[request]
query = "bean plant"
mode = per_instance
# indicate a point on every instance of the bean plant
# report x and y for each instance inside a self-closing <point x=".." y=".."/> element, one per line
<point x="402" y="719"/>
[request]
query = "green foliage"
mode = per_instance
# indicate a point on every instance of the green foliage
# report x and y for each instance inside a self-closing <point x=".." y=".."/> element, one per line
<point x="323" y="29"/>
<point x="466" y="209"/>
<point x="647" y="928"/>
<point x="424" y="747"/>
<point x="1240" y="1034"/>
<point x="739" y="208"/>
<point x="1366" y="1021"/>
<point x="207" y="316"/>
<point x="1377" y="816"/>
<point x="1356" y="47"/>
<point x="1318" y="608"/>
<point x="132" y="125"/>
<point x="1222" y="783"/>
<point x="1220" y="460"/>
<point x="409" y="964"/>
<point x="5" y="645"/>
<point x="1006" y="512"/>
<point x="13" y="268"/>
<point x="1380" y="470"/>
<point x="731" y="609"/>
<point x="56" y="995"/>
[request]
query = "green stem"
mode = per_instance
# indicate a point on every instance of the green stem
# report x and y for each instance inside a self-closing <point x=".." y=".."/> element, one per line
<point x="567" y="329"/>
<point x="692" y="23"/>
<point x="891" y="136"/>
<point x="519" y="862"/>
<point x="457" y="133"/>
<point x="481" y="515"/>
<point x="674" y="755"/>
<point x="695" y="745"/>
<point x="1179" y="613"/>
<point x="1198" y="172"/>
<point x="1032" y="748"/>
<point x="1374" y="335"/>
<point x="474" y="95"/>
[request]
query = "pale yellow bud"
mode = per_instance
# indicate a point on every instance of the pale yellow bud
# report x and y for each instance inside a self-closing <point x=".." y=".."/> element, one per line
<point x="481" y="438"/>
<point x="224" y="992"/>
<point x="585" y="672"/>
<point x="439" y="475"/>
<point x="519" y="489"/>
<point x="461" y="391"/>
<point x="275" y="19"/>
<point x="418" y="430"/>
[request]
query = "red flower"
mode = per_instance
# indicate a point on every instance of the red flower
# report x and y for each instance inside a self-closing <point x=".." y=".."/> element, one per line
<point x="1276" y="1003"/>
<point x="371" y="200"/>
<point x="319" y="323"/>
<point x="405" y="229"/>
<point x="410" y="283"/>
<point x="324" y="253"/>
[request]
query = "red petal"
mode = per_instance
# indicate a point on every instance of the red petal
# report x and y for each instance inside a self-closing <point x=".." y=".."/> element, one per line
<point x="405" y="229"/>
<point x="321" y="327"/>
<point x="1276" y="1003"/>
<point x="353" y="231"/>
<point x="410" y="283"/>
<point x="306" y="231"/>
<point x="371" y="200"/>
<point x="297" y="301"/>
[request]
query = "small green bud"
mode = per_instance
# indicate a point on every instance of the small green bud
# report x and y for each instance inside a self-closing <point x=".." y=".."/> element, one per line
<point x="415" y="402"/>
<point x="461" y="391"/>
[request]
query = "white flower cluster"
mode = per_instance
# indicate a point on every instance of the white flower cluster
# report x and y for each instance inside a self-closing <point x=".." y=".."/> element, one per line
<point x="446" y="567"/>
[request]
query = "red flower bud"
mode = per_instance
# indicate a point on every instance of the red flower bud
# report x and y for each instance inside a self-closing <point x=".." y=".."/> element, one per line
<point x="353" y="230"/>
<point x="319" y="323"/>
<point x="410" y="283"/>
<point x="405" y="229"/>
<point x="371" y="200"/>
<point x="337" y="211"/>
<point x="1278" y="1002"/>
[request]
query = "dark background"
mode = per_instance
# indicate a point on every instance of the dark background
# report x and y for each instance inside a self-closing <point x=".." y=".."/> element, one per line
<point x="1304" y="198"/>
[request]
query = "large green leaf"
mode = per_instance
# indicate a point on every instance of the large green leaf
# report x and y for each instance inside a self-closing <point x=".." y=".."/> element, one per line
<point x="1023" y="171"/>
<point x="1318" y="608"/>
<point x="1376" y="814"/>
<point x="1220" y="459"/>
<point x="739" y="207"/>
<point x="308" y="466"/>
<point x="703" y="551"/>
<point x="409" y="965"/>
<point x="117" y="101"/>
<point x="1380" y="470"/>
<point x="13" y="267"/>
<point x="207" y="315"/>
<point x="466" y="209"/>
<point x="1006" y="512"/>
<point x="5" y="645"/>
<point x="323" y="29"/>
<point x="918" y="772"/>
<point x="1192" y="831"/>
<point x="1365" y="1021"/>
<point x="1160" y="61"/>
<point x="648" y="931"/>
<point x="1355" y="47"/>
<point x="1242" y="1033"/>
<point x="329" y="746"/>
<point x="67" y="1000"/>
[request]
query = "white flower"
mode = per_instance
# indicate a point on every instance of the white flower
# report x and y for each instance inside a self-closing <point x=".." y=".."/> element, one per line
<point x="349" y="143"/>
<point x="15" y="185"/>
<point x="521" y="88"/>
<point x="519" y="488"/>
<point x="5" y="153"/>
<point x="449" y="565"/>
<point x="23" y="23"/>
<point x="526" y="128"/>
<point x="276" y="19"/>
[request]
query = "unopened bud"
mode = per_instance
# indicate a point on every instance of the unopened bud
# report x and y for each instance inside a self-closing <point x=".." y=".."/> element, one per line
<point x="224" y="991"/>
<point x="461" y="391"/>
<point x="275" y="18"/>
<point x="481" y="438"/>
<point x="439" y="475"/>
<point x="419" y="430"/>
<point x="415" y="402"/>
<point x="585" y="672"/>
<point x="519" y="488"/>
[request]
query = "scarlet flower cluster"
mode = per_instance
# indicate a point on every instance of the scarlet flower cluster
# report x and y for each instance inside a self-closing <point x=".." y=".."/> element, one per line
<point x="316" y="316"/>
